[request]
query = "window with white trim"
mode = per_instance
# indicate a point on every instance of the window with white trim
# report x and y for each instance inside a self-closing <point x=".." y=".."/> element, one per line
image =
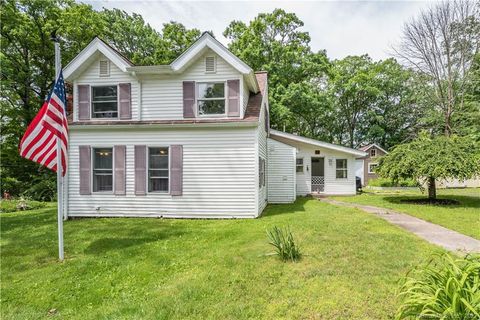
<point x="299" y="165"/>
<point x="211" y="98"/>
<point x="104" y="102"/>
<point x="373" y="153"/>
<point x="158" y="174"/>
<point x="341" y="171"/>
<point x="372" y="167"/>
<point x="102" y="169"/>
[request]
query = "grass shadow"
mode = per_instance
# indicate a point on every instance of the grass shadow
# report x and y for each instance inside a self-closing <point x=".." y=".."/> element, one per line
<point x="464" y="201"/>
<point x="277" y="209"/>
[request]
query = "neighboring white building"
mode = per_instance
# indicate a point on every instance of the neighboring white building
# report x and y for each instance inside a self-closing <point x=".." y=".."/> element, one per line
<point x="190" y="139"/>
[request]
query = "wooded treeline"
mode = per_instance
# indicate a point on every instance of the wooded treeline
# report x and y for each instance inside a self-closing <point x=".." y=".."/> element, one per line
<point x="434" y="85"/>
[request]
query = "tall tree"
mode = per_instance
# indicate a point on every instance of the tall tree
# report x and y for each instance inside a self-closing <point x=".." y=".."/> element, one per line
<point x="354" y="91"/>
<point x="441" y="43"/>
<point x="396" y="112"/>
<point x="27" y="59"/>
<point x="275" y="42"/>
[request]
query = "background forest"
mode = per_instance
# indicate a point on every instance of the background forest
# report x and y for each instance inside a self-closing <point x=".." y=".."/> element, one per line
<point x="431" y="83"/>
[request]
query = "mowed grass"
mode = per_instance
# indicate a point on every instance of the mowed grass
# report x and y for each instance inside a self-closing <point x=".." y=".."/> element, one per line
<point x="464" y="217"/>
<point x="205" y="269"/>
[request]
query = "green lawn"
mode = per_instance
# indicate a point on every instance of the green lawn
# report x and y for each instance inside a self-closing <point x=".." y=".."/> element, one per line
<point x="205" y="269"/>
<point x="464" y="218"/>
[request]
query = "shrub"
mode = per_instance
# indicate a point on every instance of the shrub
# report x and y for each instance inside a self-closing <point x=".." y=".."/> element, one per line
<point x="11" y="185"/>
<point x="382" y="182"/>
<point x="20" y="204"/>
<point x="443" y="288"/>
<point x="285" y="246"/>
<point x="45" y="190"/>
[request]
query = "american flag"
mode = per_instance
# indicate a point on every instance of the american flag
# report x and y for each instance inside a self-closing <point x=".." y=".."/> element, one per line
<point x="39" y="143"/>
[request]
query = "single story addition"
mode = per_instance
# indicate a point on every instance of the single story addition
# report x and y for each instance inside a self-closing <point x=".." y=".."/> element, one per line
<point x="186" y="140"/>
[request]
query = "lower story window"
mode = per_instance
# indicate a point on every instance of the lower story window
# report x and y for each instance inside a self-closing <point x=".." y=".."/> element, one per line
<point x="102" y="169"/>
<point x="299" y="166"/>
<point x="372" y="167"/>
<point x="158" y="169"/>
<point x="341" y="169"/>
<point x="261" y="172"/>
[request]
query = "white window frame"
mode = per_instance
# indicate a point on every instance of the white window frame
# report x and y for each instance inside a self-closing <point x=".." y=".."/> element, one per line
<point x="197" y="99"/>
<point x="298" y="165"/>
<point x="118" y="101"/>
<point x="370" y="167"/>
<point x="262" y="176"/>
<point x="92" y="149"/>
<point x="373" y="153"/>
<point x="148" y="170"/>
<point x="343" y="169"/>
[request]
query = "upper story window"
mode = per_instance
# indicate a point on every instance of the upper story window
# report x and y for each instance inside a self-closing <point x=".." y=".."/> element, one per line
<point x="373" y="153"/>
<point x="341" y="169"/>
<point x="158" y="170"/>
<point x="102" y="169"/>
<point x="104" y="102"/>
<point x="211" y="99"/>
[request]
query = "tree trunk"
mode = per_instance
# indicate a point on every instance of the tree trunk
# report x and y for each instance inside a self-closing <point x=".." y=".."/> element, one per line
<point x="432" y="191"/>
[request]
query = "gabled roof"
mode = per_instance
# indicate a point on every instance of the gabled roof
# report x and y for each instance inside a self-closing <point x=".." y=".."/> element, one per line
<point x="205" y="42"/>
<point x="313" y="142"/>
<point x="367" y="147"/>
<point x="96" y="47"/>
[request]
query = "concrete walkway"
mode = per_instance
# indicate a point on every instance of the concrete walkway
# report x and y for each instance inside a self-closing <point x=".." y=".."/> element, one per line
<point x="433" y="233"/>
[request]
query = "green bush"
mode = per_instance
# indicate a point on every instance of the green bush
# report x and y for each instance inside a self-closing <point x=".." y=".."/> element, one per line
<point x="444" y="288"/>
<point x="11" y="185"/>
<point x="20" y="204"/>
<point x="284" y="244"/>
<point x="382" y="182"/>
<point x="45" y="190"/>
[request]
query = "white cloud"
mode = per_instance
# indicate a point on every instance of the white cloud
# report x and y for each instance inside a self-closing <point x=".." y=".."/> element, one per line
<point x="342" y="28"/>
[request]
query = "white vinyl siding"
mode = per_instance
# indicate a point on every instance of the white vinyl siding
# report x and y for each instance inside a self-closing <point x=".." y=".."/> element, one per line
<point x="332" y="184"/>
<point x="163" y="95"/>
<point x="219" y="173"/>
<point x="91" y="76"/>
<point x="262" y="153"/>
<point x="281" y="172"/>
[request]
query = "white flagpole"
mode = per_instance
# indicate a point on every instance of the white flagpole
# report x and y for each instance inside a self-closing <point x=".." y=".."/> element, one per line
<point x="58" y="66"/>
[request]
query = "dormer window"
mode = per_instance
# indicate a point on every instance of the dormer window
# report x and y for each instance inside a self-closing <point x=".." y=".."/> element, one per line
<point x="210" y="64"/>
<point x="211" y="98"/>
<point x="104" y="68"/>
<point x="104" y="102"/>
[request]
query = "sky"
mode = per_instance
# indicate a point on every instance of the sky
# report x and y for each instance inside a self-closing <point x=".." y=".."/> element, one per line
<point x="341" y="28"/>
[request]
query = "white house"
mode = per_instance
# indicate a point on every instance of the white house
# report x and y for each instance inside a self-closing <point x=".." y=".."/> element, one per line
<point x="190" y="139"/>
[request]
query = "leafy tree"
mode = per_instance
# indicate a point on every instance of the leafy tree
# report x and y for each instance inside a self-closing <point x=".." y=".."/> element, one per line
<point x="275" y="43"/>
<point x="429" y="159"/>
<point x="395" y="114"/>
<point x="441" y="43"/>
<point x="27" y="60"/>
<point x="354" y="90"/>
<point x="311" y="109"/>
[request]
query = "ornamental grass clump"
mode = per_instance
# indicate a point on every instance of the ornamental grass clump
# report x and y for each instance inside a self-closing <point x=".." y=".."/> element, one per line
<point x="444" y="288"/>
<point x="283" y="242"/>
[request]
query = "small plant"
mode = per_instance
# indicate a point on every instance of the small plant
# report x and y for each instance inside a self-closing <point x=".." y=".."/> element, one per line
<point x="444" y="288"/>
<point x="285" y="246"/>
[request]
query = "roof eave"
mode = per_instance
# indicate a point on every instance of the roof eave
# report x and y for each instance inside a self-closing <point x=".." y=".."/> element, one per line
<point x="317" y="143"/>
